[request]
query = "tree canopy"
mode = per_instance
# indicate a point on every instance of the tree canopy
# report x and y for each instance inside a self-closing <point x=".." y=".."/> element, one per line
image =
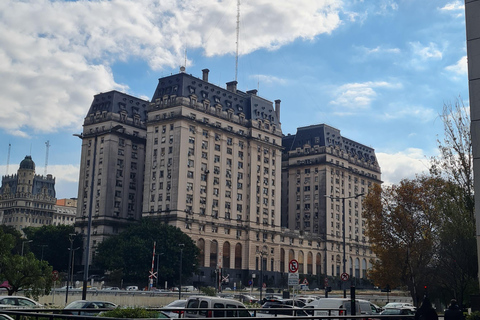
<point x="25" y="272"/>
<point x="52" y="243"/>
<point x="129" y="254"/>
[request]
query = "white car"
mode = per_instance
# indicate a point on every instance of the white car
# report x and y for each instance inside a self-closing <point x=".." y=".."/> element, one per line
<point x="175" y="309"/>
<point x="15" y="302"/>
<point x="400" y="305"/>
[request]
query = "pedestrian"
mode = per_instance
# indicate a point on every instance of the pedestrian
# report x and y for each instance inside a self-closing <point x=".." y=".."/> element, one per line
<point x="453" y="312"/>
<point x="426" y="311"/>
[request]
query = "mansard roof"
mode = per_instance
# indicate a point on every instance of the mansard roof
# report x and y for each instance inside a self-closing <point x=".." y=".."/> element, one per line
<point x="118" y="102"/>
<point x="247" y="103"/>
<point x="323" y="135"/>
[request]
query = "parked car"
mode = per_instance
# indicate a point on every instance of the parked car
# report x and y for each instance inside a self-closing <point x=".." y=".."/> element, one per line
<point x="75" y="307"/>
<point x="399" y="312"/>
<point x="397" y="305"/>
<point x="132" y="288"/>
<point x="272" y="303"/>
<point x="340" y="306"/>
<point x="281" y="310"/>
<point x="13" y="302"/>
<point x="209" y="304"/>
<point x="177" y="308"/>
<point x="5" y="317"/>
<point x="245" y="298"/>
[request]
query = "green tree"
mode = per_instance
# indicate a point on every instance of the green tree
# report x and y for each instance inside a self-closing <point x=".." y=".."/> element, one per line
<point x="52" y="243"/>
<point x="131" y="252"/>
<point x="25" y="272"/>
<point x="402" y="225"/>
<point x="16" y="237"/>
<point x="457" y="262"/>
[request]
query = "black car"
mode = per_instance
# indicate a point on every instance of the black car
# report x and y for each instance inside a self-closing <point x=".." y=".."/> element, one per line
<point x="92" y="308"/>
<point x="397" y="312"/>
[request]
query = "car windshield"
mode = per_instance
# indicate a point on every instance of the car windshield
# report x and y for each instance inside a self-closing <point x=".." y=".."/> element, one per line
<point x="392" y="311"/>
<point x="76" y="305"/>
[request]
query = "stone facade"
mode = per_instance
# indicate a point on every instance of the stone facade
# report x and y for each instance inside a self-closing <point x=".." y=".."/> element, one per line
<point x="208" y="160"/>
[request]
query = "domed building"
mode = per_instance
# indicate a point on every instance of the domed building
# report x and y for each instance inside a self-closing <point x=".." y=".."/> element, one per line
<point x="27" y="199"/>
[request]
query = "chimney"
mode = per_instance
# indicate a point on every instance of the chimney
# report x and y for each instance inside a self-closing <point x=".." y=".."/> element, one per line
<point x="232" y="86"/>
<point x="277" y="108"/>
<point x="205" y="75"/>
<point x="252" y="92"/>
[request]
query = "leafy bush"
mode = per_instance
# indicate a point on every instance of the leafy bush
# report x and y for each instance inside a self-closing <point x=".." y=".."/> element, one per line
<point x="473" y="316"/>
<point x="208" y="291"/>
<point x="129" y="313"/>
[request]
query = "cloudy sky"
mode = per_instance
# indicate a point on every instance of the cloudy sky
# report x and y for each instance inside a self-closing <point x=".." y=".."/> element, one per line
<point x="380" y="71"/>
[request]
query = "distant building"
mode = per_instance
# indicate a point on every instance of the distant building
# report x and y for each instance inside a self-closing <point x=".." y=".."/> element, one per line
<point x="65" y="212"/>
<point x="324" y="176"/>
<point x="27" y="199"/>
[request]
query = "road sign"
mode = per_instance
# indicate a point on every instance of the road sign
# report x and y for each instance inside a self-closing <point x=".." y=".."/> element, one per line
<point x="293" y="266"/>
<point x="153" y="275"/>
<point x="250" y="282"/>
<point x="293" y="279"/>
<point x="344" y="276"/>
<point x="305" y="282"/>
<point x="264" y="285"/>
<point x="325" y="282"/>
<point x="54" y="275"/>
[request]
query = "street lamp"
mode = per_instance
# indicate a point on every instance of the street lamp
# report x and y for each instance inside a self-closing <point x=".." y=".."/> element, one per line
<point x="43" y="246"/>
<point x="158" y="262"/>
<point x="71" y="238"/>
<point x="23" y="244"/>
<point x="90" y="211"/>
<point x="261" y="253"/>
<point x="181" y="245"/>
<point x="343" y="237"/>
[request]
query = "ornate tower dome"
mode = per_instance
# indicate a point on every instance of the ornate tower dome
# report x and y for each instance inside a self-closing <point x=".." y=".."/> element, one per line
<point x="27" y="163"/>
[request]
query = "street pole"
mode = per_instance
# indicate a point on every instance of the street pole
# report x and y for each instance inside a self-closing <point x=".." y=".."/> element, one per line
<point x="69" y="266"/>
<point x="158" y="262"/>
<point x="23" y="244"/>
<point x="43" y="247"/>
<point x="181" y="245"/>
<point x="344" y="246"/>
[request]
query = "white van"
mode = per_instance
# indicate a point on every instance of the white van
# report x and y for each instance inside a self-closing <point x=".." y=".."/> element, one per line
<point x="209" y="304"/>
<point x="340" y="306"/>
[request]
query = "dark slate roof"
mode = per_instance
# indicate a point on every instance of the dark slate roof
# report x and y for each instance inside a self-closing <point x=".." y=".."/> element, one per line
<point x="326" y="136"/>
<point x="115" y="101"/>
<point x="27" y="163"/>
<point x="248" y="103"/>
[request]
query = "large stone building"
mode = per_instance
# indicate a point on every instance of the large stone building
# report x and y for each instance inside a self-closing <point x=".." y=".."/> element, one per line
<point x="324" y="176"/>
<point x="208" y="160"/>
<point x="27" y="199"/>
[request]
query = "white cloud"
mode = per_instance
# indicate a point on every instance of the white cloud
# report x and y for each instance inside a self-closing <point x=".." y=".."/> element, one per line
<point x="359" y="95"/>
<point x="454" y="6"/>
<point x="402" y="165"/>
<point x="268" y="80"/>
<point x="417" y="112"/>
<point x="55" y="55"/>
<point x="426" y="52"/>
<point x="460" y="68"/>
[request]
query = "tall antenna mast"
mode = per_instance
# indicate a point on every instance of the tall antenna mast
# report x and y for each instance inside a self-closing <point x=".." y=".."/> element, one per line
<point x="238" y="32"/>
<point x="47" y="144"/>
<point x="8" y="156"/>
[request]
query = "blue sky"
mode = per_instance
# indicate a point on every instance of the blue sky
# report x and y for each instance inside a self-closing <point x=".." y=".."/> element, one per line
<point x="380" y="71"/>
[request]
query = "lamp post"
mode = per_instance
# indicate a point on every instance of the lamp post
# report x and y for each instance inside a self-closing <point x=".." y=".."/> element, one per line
<point x="261" y="254"/>
<point x="70" y="238"/>
<point x="23" y="244"/>
<point x="181" y="245"/>
<point x="343" y="236"/>
<point x="43" y="247"/>
<point x="90" y="209"/>
<point x="158" y="262"/>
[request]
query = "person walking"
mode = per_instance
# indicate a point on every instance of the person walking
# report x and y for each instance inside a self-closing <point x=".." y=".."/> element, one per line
<point x="453" y="312"/>
<point x="426" y="311"/>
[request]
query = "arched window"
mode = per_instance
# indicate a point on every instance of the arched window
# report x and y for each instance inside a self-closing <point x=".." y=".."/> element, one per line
<point x="213" y="254"/>
<point x="357" y="268"/>
<point x="226" y="255"/>
<point x="201" y="256"/>
<point x="310" y="262"/>
<point x="238" y="256"/>
<point x="318" y="264"/>
<point x="364" y="268"/>
<point x="282" y="260"/>
<point x="301" y="262"/>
